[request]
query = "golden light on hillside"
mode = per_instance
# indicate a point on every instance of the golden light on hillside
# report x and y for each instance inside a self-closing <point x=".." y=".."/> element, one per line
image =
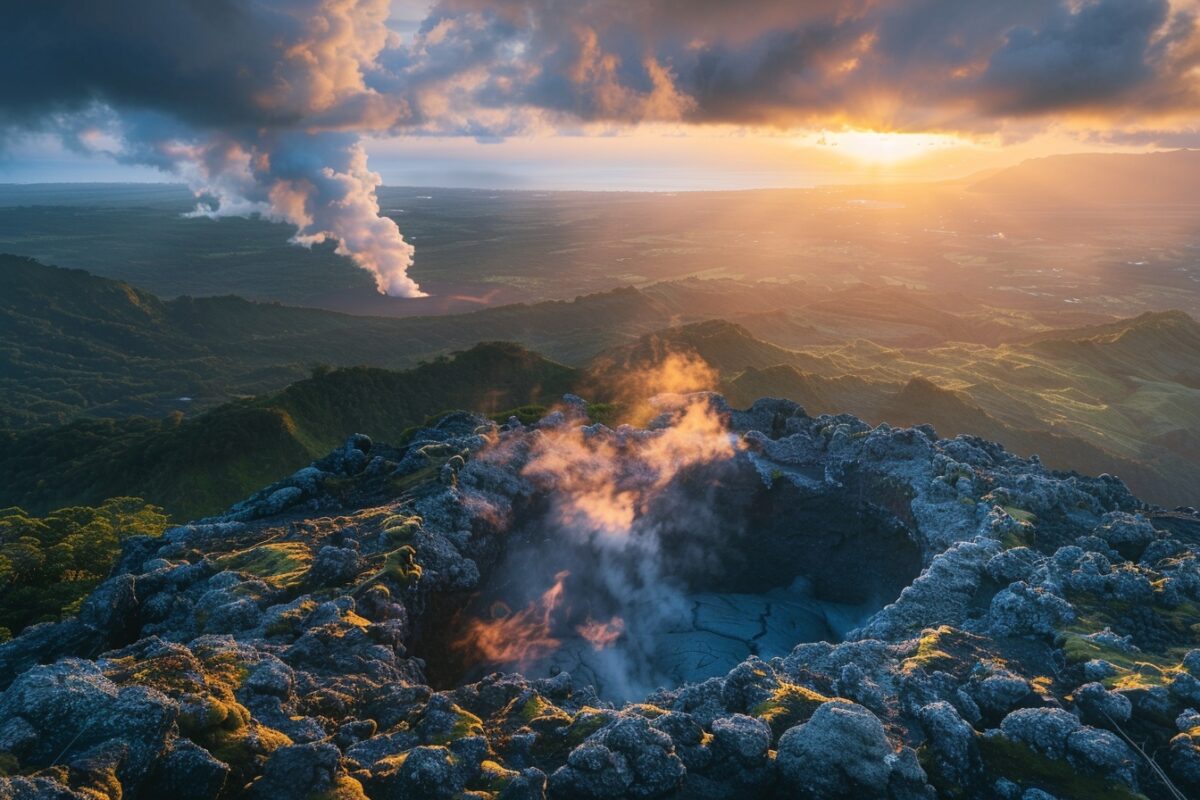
<point x="882" y="147"/>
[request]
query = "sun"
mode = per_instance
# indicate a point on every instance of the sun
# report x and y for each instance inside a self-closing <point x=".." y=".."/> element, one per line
<point x="882" y="147"/>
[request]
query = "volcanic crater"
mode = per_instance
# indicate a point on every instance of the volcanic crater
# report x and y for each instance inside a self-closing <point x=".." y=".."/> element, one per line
<point x="716" y="565"/>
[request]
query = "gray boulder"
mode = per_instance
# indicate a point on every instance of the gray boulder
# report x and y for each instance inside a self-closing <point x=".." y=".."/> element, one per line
<point x="72" y="708"/>
<point x="422" y="773"/>
<point x="942" y="595"/>
<point x="688" y="738"/>
<point x="1185" y="760"/>
<point x="737" y="760"/>
<point x="298" y="772"/>
<point x="1057" y="734"/>
<point x="21" y="788"/>
<point x="334" y="566"/>
<point x="1014" y="564"/>
<point x="999" y="691"/>
<point x="528" y="784"/>
<point x="842" y="751"/>
<point x="1022" y="609"/>
<point x="952" y="746"/>
<point x="1103" y="751"/>
<point x="626" y="759"/>
<point x="1099" y="702"/>
<point x="1126" y="532"/>
<point x="187" y="772"/>
<point x="742" y="738"/>
<point x="1042" y="729"/>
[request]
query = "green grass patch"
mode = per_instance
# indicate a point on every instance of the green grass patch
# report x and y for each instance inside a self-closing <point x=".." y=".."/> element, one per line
<point x="465" y="724"/>
<point x="406" y="483"/>
<point x="344" y="788"/>
<point x="399" y="566"/>
<point x="1020" y="514"/>
<point x="526" y="414"/>
<point x="586" y="722"/>
<point x="604" y="413"/>
<point x="401" y="528"/>
<point x="940" y="649"/>
<point x="493" y="777"/>
<point x="534" y="707"/>
<point x="1135" y="670"/>
<point x="1138" y="669"/>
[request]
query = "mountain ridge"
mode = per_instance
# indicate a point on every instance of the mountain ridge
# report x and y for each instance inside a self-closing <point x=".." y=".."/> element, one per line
<point x="1089" y="179"/>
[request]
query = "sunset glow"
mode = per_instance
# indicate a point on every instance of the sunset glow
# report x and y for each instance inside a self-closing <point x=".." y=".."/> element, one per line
<point x="877" y="147"/>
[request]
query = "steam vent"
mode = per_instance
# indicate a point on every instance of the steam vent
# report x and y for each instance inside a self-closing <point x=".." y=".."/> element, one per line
<point x="723" y="604"/>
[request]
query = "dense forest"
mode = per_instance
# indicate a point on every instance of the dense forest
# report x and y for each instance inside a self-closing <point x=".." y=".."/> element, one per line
<point x="200" y="465"/>
<point x="49" y="564"/>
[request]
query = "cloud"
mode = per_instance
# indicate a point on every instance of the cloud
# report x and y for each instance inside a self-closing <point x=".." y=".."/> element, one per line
<point x="208" y="63"/>
<point x="495" y="67"/>
<point x="947" y="64"/>
<point x="1102" y="53"/>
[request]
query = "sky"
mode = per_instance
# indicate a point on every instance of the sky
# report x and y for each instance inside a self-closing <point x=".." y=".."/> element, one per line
<point x="297" y="109"/>
<point x="652" y="158"/>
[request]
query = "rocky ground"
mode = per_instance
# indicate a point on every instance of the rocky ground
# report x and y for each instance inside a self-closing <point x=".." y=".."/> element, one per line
<point x="288" y="649"/>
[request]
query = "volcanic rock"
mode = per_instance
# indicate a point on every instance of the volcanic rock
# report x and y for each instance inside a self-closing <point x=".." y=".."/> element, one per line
<point x="725" y="604"/>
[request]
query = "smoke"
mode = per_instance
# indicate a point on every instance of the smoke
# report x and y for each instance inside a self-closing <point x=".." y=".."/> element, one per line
<point x="517" y="638"/>
<point x="601" y="634"/>
<point x="317" y="182"/>
<point x="637" y="380"/>
<point x="612" y="497"/>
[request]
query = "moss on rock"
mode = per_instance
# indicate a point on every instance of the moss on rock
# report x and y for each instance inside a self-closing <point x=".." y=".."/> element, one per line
<point x="280" y="564"/>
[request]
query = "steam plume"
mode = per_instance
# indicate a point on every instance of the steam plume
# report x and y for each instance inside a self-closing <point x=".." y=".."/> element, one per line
<point x="319" y="183"/>
<point x="613" y="496"/>
<point x="517" y="638"/>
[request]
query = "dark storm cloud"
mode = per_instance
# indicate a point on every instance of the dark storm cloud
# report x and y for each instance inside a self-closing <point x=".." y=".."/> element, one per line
<point x="258" y="105"/>
<point x="205" y="62"/>
<point x="949" y="63"/>
<point x="1099" y="54"/>
<point x="479" y="67"/>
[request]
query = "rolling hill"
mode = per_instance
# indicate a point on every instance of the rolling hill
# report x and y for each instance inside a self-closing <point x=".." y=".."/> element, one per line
<point x="1119" y="398"/>
<point x="267" y="387"/>
<point x="201" y="465"/>
<point x="74" y="344"/>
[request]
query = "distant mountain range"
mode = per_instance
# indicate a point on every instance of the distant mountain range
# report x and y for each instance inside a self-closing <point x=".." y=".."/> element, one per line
<point x="74" y="343"/>
<point x="1088" y="179"/>
<point x="95" y="374"/>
